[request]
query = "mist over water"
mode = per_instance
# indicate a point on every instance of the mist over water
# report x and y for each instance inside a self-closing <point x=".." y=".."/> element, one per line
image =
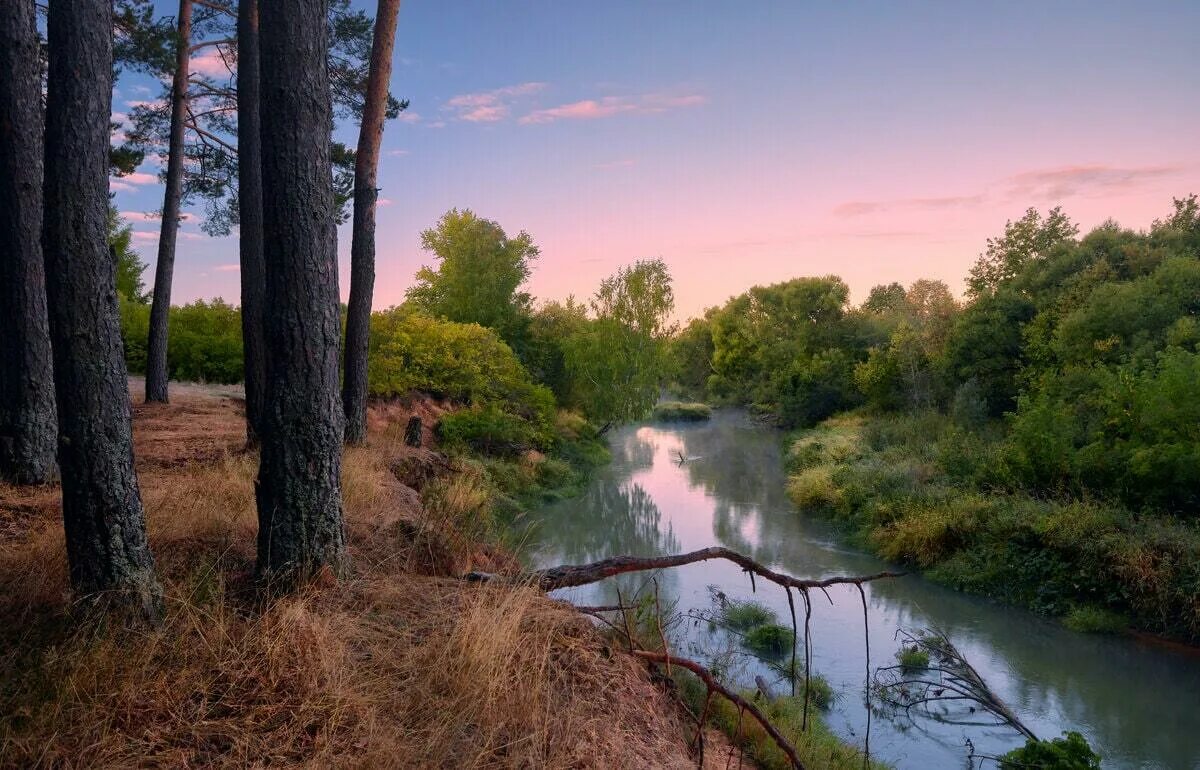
<point x="1128" y="697"/>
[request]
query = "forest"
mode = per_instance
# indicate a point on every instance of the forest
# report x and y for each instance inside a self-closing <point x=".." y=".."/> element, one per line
<point x="286" y="529"/>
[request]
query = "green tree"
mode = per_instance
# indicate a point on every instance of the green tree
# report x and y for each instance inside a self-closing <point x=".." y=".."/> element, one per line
<point x="478" y="274"/>
<point x="1029" y="238"/>
<point x="130" y="267"/>
<point x="616" y="364"/>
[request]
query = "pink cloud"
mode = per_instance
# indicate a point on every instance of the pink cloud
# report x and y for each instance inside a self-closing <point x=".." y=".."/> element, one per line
<point x="383" y="202"/>
<point x="591" y="109"/>
<point x="1065" y="181"/>
<point x="859" y="208"/>
<point x="142" y="235"/>
<point x="209" y="63"/>
<point x="490" y="106"/>
<point x="119" y="186"/>
<point x="228" y="268"/>
<point x="140" y="177"/>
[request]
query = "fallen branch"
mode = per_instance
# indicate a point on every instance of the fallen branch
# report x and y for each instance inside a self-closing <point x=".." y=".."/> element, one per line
<point x="714" y="686"/>
<point x="567" y="576"/>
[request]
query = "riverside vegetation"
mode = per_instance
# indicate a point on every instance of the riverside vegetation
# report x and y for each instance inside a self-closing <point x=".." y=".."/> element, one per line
<point x="1039" y="442"/>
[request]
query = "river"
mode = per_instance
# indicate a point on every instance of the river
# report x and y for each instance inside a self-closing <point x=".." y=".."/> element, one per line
<point x="1135" y="701"/>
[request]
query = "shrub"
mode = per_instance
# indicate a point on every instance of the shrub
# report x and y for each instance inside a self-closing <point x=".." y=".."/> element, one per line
<point x="488" y="429"/>
<point x="1089" y="619"/>
<point x="745" y="615"/>
<point x="204" y="340"/>
<point x="684" y="412"/>
<point x="769" y="639"/>
<point x="814" y="488"/>
<point x="912" y="658"/>
<point x="1071" y="752"/>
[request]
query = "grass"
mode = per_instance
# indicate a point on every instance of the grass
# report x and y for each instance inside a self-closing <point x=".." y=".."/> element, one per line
<point x="769" y="639"/>
<point x="912" y="658"/>
<point x="818" y="747"/>
<point x="1095" y="620"/>
<point x="744" y="615"/>
<point x="678" y="411"/>
<point x="399" y="665"/>
<point x="917" y="489"/>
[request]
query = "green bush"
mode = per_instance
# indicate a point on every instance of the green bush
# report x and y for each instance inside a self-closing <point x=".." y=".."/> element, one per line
<point x="204" y="340"/>
<point x="745" y="615"/>
<point x="683" y="412"/>
<point x="1095" y="620"/>
<point x="769" y="639"/>
<point x="912" y="658"/>
<point x="1071" y="752"/>
<point x="488" y="429"/>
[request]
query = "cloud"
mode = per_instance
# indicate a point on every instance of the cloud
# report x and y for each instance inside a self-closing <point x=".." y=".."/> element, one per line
<point x="383" y="201"/>
<point x="608" y="106"/>
<point x="395" y="153"/>
<point x="228" y="268"/>
<point x="139" y="177"/>
<point x="141" y="235"/>
<point x="1097" y="180"/>
<point x="489" y="106"/>
<point x="209" y="63"/>
<point x="141" y="216"/>
<point x="612" y="164"/>
<point x="859" y="208"/>
<point x="409" y="117"/>
<point x="119" y="186"/>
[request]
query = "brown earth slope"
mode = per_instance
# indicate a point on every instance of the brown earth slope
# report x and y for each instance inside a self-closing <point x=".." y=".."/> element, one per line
<point x="401" y="665"/>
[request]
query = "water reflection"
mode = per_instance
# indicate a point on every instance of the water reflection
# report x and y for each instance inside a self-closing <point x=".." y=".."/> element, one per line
<point x="1130" y="699"/>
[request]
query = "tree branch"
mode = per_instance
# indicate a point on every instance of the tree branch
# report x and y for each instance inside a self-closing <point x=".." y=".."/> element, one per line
<point x="714" y="686"/>
<point x="567" y="576"/>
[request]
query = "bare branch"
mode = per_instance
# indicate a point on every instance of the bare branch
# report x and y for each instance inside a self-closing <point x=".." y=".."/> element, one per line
<point x="567" y="576"/>
<point x="714" y="686"/>
<point x="207" y="43"/>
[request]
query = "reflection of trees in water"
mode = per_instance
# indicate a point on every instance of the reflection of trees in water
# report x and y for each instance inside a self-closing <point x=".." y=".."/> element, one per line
<point x="632" y="450"/>
<point x="608" y="520"/>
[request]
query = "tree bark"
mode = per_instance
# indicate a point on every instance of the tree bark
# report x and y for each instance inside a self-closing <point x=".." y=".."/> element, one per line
<point x="362" y="245"/>
<point x="107" y="552"/>
<point x="164" y="269"/>
<point x="27" y="414"/>
<point x="250" y="214"/>
<point x="299" y="488"/>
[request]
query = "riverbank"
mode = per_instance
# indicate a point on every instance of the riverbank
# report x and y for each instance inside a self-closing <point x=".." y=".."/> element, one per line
<point x="399" y="665"/>
<point x="909" y="488"/>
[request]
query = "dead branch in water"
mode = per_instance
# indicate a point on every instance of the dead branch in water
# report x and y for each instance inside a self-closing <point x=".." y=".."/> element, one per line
<point x="714" y="686"/>
<point x="567" y="575"/>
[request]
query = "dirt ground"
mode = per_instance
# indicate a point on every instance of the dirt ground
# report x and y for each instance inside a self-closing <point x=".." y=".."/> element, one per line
<point x="398" y="665"/>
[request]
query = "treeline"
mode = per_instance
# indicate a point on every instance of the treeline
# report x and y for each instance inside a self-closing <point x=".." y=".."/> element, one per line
<point x="1082" y="353"/>
<point x="469" y="333"/>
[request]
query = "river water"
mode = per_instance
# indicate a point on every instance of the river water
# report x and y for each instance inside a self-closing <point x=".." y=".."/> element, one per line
<point x="1138" y="703"/>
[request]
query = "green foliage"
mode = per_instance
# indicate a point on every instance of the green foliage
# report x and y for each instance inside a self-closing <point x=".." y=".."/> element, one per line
<point x="478" y="274"/>
<point x="1071" y="752"/>
<point x="677" y="411"/>
<point x="616" y="362"/>
<point x="1090" y="619"/>
<point x="912" y="658"/>
<point x="130" y="267"/>
<point x="769" y="639"/>
<point x="1029" y="238"/>
<point x="489" y="430"/>
<point x="744" y="615"/>
<point x="919" y="489"/>
<point x="204" y="340"/>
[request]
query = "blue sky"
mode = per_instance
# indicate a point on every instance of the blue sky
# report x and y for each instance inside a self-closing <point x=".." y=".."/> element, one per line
<point x="753" y="142"/>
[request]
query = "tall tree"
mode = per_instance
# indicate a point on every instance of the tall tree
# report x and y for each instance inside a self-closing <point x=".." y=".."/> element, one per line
<point x="27" y="418"/>
<point x="107" y="552"/>
<point x="250" y="239"/>
<point x="299" y="487"/>
<point x="362" y="244"/>
<point x="164" y="269"/>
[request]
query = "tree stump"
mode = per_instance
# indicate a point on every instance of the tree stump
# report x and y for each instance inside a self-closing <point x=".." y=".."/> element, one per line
<point x="412" y="432"/>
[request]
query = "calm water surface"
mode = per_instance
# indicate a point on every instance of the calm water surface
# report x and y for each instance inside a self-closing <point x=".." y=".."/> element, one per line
<point x="1137" y="703"/>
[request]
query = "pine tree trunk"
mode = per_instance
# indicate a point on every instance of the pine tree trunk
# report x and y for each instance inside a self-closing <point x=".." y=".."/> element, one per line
<point x="299" y="486"/>
<point x="362" y="245"/>
<point x="164" y="269"/>
<point x="107" y="553"/>
<point x="250" y="215"/>
<point x="27" y="415"/>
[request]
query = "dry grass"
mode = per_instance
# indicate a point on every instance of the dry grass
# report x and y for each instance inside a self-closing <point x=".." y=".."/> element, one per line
<point x="399" y="666"/>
